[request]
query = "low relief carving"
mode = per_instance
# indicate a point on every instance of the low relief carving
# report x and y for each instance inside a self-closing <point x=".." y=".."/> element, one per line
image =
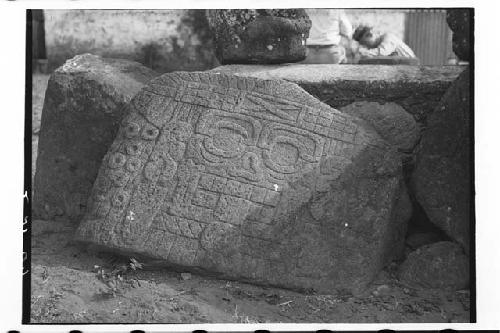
<point x="208" y="166"/>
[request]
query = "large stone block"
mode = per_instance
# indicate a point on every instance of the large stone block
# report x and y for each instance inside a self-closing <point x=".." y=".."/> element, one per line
<point x="442" y="178"/>
<point x="82" y="109"/>
<point x="439" y="265"/>
<point x="390" y="120"/>
<point x="259" y="36"/>
<point x="253" y="179"/>
<point x="417" y="89"/>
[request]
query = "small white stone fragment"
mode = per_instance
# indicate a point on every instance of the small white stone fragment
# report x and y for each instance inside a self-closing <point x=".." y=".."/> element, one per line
<point x="131" y="216"/>
<point x="276" y="187"/>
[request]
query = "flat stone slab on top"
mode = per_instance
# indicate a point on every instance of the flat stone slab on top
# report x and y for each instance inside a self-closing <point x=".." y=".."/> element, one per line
<point x="418" y="89"/>
<point x="389" y="60"/>
<point x="252" y="179"/>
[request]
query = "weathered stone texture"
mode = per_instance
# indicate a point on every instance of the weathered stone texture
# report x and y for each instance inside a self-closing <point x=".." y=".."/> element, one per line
<point x="82" y="109"/>
<point x="442" y="178"/>
<point x="417" y="89"/>
<point x="390" y="120"/>
<point x="259" y="36"/>
<point x="419" y="239"/>
<point x="389" y="60"/>
<point x="459" y="20"/>
<point x="252" y="179"/>
<point x="439" y="265"/>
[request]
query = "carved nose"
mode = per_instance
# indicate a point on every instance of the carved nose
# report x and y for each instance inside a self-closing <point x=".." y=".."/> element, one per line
<point x="251" y="168"/>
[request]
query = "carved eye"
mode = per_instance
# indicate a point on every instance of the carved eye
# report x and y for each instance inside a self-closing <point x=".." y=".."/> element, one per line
<point x="228" y="136"/>
<point x="285" y="153"/>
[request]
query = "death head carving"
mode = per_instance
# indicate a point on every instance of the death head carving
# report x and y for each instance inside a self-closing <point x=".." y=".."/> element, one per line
<point x="212" y="170"/>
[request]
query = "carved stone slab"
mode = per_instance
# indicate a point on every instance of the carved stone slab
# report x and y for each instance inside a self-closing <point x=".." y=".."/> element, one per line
<point x="253" y="179"/>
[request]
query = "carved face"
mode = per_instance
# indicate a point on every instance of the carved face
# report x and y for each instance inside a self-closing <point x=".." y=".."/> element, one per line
<point x="198" y="160"/>
<point x="239" y="176"/>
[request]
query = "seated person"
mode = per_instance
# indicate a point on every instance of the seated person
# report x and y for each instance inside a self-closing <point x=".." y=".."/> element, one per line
<point x="329" y="27"/>
<point x="376" y="45"/>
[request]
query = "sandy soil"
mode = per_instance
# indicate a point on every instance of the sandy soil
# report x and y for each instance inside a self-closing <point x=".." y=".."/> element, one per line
<point x="76" y="284"/>
<point x="71" y="283"/>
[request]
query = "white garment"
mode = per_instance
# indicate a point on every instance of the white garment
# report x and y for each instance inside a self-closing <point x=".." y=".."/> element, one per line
<point x="390" y="45"/>
<point x="327" y="26"/>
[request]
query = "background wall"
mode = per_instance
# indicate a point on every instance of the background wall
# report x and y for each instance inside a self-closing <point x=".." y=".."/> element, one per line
<point x="164" y="40"/>
<point x="169" y="40"/>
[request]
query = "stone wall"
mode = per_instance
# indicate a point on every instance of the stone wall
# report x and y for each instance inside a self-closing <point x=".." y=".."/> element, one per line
<point x="164" y="40"/>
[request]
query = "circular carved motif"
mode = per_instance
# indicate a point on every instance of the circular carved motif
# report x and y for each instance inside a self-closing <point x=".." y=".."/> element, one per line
<point x="132" y="148"/>
<point x="149" y="132"/>
<point x="117" y="160"/>
<point x="132" y="129"/>
<point x="133" y="164"/>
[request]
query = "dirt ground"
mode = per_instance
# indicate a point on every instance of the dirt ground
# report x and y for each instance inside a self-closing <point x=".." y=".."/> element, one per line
<point x="76" y="284"/>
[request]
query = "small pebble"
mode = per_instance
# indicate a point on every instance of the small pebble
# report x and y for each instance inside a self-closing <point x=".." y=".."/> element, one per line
<point x="381" y="290"/>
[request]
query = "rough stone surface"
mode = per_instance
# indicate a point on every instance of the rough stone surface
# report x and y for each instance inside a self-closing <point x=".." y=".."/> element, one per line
<point x="417" y="89"/>
<point x="82" y="110"/>
<point x="265" y="36"/>
<point x="459" y="21"/>
<point x="389" y="60"/>
<point x="390" y="120"/>
<point x="439" y="265"/>
<point x="419" y="239"/>
<point x="442" y="175"/>
<point x="252" y="179"/>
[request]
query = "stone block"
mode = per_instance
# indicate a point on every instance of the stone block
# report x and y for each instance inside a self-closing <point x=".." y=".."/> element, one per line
<point x="84" y="104"/>
<point x="256" y="194"/>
